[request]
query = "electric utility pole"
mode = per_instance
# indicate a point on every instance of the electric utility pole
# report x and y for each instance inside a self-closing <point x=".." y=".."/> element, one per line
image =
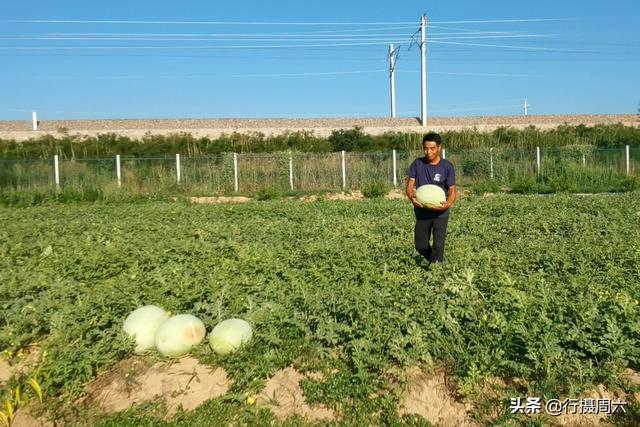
<point x="423" y="51"/>
<point x="392" y="84"/>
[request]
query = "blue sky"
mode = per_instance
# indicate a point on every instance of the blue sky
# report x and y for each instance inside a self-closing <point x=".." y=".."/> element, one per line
<point x="191" y="59"/>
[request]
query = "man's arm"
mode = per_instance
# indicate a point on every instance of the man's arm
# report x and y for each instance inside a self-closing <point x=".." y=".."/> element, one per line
<point x="451" y="198"/>
<point x="411" y="192"/>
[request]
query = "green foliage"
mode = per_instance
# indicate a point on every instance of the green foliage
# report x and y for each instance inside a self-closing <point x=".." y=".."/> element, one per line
<point x="574" y="159"/>
<point x="108" y="145"/>
<point x="535" y="288"/>
<point x="375" y="189"/>
<point x="267" y="193"/>
<point x="476" y="163"/>
<point x="38" y="197"/>
<point x="350" y="140"/>
<point x="525" y="185"/>
<point x="22" y="391"/>
<point x="490" y="186"/>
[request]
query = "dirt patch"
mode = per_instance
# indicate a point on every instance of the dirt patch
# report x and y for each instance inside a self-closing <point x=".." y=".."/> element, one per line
<point x="354" y="195"/>
<point x="23" y="418"/>
<point x="5" y="371"/>
<point x="429" y="397"/>
<point x="185" y="383"/>
<point x="221" y="199"/>
<point x="588" y="420"/>
<point x="284" y="396"/>
<point x="396" y="195"/>
<point x="632" y="376"/>
<point x="27" y="361"/>
<point x="461" y="193"/>
<point x="487" y="397"/>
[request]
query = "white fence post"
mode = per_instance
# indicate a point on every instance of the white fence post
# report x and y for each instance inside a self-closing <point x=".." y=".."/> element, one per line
<point x="118" y="170"/>
<point x="627" y="160"/>
<point x="444" y="153"/>
<point x="538" y="159"/>
<point x="235" y="172"/>
<point x="56" y="170"/>
<point x="491" y="161"/>
<point x="34" y="120"/>
<point x="395" y="173"/>
<point x="344" y="171"/>
<point x="178" y="167"/>
<point x="291" y="170"/>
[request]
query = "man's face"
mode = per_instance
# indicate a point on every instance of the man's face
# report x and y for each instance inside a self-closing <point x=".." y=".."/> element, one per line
<point x="431" y="150"/>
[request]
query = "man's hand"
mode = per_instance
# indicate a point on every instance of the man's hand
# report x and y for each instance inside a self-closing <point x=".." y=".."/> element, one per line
<point x="411" y="192"/>
<point x="444" y="206"/>
<point x="416" y="203"/>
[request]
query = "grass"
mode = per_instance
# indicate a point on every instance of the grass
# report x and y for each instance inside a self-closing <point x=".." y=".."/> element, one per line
<point x="108" y="145"/>
<point x="570" y="169"/>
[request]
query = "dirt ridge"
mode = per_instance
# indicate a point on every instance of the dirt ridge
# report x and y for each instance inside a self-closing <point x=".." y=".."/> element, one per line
<point x="137" y="128"/>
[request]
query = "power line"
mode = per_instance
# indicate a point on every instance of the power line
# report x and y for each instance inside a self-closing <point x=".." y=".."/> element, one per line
<point x="226" y="36"/>
<point x="133" y="22"/>
<point x="532" y="48"/>
<point x="449" y="28"/>
<point x="328" y="73"/>
<point x="142" y="22"/>
<point x="475" y="74"/>
<point x="295" y="33"/>
<point x="300" y="58"/>
<point x="435" y="56"/>
<point x="384" y="39"/>
<point x="503" y="36"/>
<point x="197" y="47"/>
<point x="217" y="76"/>
<point x="197" y="39"/>
<point x="500" y="21"/>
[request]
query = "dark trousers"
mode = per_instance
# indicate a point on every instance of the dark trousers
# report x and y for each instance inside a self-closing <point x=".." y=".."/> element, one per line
<point x="424" y="229"/>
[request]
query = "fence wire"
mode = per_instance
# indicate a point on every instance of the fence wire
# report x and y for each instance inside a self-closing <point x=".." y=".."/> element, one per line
<point x="307" y="172"/>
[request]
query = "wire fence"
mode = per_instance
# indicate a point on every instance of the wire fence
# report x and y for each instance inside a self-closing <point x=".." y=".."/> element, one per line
<point x="307" y="172"/>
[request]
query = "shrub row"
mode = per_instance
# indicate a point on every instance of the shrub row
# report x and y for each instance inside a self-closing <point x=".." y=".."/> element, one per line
<point x="108" y="145"/>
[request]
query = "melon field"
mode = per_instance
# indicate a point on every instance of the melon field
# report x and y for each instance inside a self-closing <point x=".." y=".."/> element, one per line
<point x="538" y="298"/>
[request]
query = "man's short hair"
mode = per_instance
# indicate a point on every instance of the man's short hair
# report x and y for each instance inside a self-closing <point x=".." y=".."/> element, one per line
<point x="432" y="137"/>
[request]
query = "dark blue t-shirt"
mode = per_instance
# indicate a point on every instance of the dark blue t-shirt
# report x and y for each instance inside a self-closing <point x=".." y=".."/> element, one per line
<point x="443" y="175"/>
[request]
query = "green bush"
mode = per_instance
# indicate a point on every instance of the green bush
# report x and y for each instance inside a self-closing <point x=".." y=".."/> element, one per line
<point x="375" y="189"/>
<point x="485" y="187"/>
<point x="108" y="145"/>
<point x="267" y="193"/>
<point x="350" y="140"/>
<point x="524" y="185"/>
<point x="475" y="166"/>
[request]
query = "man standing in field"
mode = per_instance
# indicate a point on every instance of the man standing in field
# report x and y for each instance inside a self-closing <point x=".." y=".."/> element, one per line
<point x="431" y="169"/>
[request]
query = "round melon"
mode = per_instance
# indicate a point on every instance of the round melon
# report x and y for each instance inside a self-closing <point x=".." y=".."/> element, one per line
<point x="142" y="325"/>
<point x="229" y="335"/>
<point x="430" y="196"/>
<point x="178" y="335"/>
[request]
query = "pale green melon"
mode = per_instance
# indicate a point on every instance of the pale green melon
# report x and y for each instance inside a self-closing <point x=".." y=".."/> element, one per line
<point x="229" y="335"/>
<point x="142" y="325"/>
<point x="178" y="335"/>
<point x="430" y="196"/>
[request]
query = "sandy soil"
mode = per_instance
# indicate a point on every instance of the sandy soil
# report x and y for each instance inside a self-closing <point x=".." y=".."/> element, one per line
<point x="184" y="383"/>
<point x="284" y="396"/>
<point x="429" y="396"/>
